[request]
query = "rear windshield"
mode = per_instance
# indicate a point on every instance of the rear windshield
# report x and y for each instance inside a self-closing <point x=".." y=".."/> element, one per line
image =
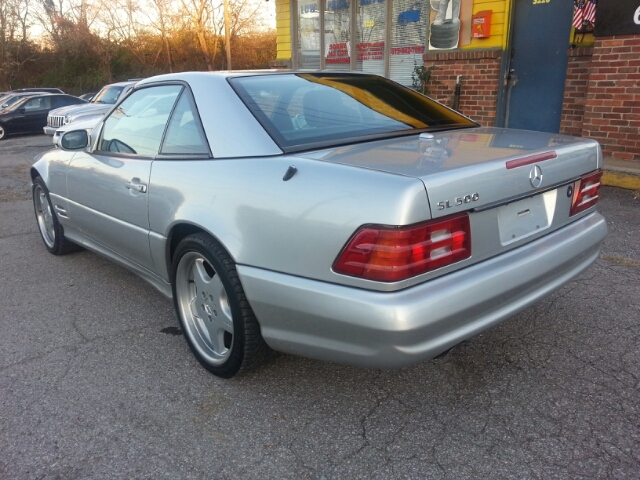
<point x="309" y="109"/>
<point x="107" y="95"/>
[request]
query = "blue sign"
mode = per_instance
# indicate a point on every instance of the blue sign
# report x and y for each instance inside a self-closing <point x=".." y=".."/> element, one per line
<point x="410" y="16"/>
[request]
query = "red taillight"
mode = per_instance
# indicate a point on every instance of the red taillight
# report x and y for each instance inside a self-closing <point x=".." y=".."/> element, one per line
<point x="391" y="254"/>
<point x="585" y="192"/>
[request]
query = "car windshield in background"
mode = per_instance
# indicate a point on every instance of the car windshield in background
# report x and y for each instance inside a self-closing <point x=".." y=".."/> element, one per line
<point x="108" y="95"/>
<point x="309" y="109"/>
<point x="17" y="104"/>
<point x="11" y="101"/>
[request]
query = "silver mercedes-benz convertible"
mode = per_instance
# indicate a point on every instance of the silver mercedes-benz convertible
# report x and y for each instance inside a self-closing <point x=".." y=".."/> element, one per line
<point x="338" y="216"/>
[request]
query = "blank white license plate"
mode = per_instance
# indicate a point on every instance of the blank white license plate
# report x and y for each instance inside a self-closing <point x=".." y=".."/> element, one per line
<point x="526" y="217"/>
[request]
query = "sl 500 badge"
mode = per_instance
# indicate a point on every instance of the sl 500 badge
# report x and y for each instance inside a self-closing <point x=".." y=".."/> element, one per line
<point x="474" y="197"/>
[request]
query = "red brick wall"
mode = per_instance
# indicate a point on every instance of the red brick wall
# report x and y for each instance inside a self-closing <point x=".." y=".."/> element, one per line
<point x="479" y="71"/>
<point x="612" y="108"/>
<point x="575" y="91"/>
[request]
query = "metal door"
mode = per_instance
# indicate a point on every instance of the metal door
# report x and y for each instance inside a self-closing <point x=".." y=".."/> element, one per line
<point x="36" y="111"/>
<point x="29" y="116"/>
<point x="108" y="186"/>
<point x="109" y="203"/>
<point x="538" y="67"/>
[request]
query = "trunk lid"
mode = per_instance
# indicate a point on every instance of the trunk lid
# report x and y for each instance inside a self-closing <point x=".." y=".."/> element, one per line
<point x="468" y="169"/>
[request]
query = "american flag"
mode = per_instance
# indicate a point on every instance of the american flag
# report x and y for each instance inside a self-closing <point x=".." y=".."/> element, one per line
<point x="590" y="11"/>
<point x="578" y="13"/>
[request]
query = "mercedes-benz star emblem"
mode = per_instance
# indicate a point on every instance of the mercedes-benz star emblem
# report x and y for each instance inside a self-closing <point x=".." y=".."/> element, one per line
<point x="535" y="176"/>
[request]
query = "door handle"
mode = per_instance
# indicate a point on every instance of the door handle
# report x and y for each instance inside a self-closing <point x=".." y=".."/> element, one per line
<point x="138" y="187"/>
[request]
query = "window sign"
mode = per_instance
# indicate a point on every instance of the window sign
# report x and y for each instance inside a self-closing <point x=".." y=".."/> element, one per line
<point x="356" y="34"/>
<point x="444" y="31"/>
<point x="308" y="34"/>
<point x="371" y="22"/>
<point x="408" y="38"/>
<point x="337" y="37"/>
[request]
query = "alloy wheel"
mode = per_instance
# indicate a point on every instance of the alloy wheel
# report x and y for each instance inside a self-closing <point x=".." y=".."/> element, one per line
<point x="204" y="305"/>
<point x="44" y="216"/>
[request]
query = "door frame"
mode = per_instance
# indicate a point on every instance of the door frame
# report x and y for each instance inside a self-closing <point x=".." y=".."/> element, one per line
<point x="505" y="66"/>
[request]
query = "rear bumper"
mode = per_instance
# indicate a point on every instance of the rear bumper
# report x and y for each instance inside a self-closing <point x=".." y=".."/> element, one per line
<point x="396" y="329"/>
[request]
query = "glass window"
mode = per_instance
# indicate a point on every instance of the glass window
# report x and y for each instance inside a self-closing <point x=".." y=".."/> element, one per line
<point x="303" y="110"/>
<point x="371" y="28"/>
<point x="108" y="95"/>
<point x="64" y="100"/>
<point x="337" y="35"/>
<point x="408" y="38"/>
<point x="12" y="101"/>
<point x="38" y="103"/>
<point x="184" y="134"/>
<point x="309" y="34"/>
<point x="404" y="27"/>
<point x="137" y="125"/>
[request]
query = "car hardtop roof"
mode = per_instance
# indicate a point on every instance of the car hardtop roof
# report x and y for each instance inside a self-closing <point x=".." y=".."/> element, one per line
<point x="223" y="74"/>
<point x="123" y="83"/>
<point x="27" y="94"/>
<point x="37" y="89"/>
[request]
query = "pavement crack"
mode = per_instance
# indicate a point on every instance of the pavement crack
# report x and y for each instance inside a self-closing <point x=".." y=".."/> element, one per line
<point x="13" y="235"/>
<point x="71" y="347"/>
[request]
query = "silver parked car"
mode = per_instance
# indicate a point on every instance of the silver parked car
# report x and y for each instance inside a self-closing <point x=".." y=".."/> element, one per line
<point x="100" y="103"/>
<point x="338" y="216"/>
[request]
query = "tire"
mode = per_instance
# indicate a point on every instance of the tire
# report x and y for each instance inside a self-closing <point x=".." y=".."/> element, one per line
<point x="51" y="231"/>
<point x="3" y="132"/>
<point x="216" y="318"/>
<point x="445" y="35"/>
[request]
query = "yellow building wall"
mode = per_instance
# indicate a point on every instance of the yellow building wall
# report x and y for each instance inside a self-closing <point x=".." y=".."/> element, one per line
<point x="283" y="29"/>
<point x="499" y="24"/>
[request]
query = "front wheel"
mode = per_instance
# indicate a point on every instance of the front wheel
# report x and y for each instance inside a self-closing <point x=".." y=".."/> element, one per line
<point x="216" y="318"/>
<point x="50" y="229"/>
<point x="3" y="132"/>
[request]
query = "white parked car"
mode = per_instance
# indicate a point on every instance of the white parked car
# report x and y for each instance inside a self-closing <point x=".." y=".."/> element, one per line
<point x="85" y="123"/>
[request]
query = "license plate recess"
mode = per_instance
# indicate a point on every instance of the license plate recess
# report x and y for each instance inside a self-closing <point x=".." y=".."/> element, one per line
<point x="526" y="217"/>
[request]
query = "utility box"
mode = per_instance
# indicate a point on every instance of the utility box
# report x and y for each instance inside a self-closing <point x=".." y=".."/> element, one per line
<point x="481" y="24"/>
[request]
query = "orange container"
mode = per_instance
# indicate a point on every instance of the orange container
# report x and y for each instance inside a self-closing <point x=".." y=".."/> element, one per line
<point x="481" y="24"/>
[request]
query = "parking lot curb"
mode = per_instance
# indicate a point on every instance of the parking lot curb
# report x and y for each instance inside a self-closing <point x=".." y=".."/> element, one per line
<point x="618" y="174"/>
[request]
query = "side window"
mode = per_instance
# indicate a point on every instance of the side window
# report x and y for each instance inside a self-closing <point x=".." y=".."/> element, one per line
<point x="136" y="126"/>
<point x="38" y="103"/>
<point x="60" y="101"/>
<point x="70" y="101"/>
<point x="184" y="135"/>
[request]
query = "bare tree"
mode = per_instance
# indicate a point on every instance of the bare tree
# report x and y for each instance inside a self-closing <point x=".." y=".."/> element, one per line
<point x="122" y="19"/>
<point x="200" y="11"/>
<point x="162" y="23"/>
<point x="14" y="26"/>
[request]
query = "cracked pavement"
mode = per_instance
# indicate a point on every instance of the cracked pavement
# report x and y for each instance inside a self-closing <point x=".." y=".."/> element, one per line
<point x="95" y="383"/>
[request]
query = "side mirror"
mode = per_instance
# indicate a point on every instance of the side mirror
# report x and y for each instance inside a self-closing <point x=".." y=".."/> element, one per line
<point x="74" y="140"/>
<point x="22" y="109"/>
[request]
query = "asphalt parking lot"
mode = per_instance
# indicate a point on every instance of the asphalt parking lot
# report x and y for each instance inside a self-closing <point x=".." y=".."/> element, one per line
<point x="97" y="382"/>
